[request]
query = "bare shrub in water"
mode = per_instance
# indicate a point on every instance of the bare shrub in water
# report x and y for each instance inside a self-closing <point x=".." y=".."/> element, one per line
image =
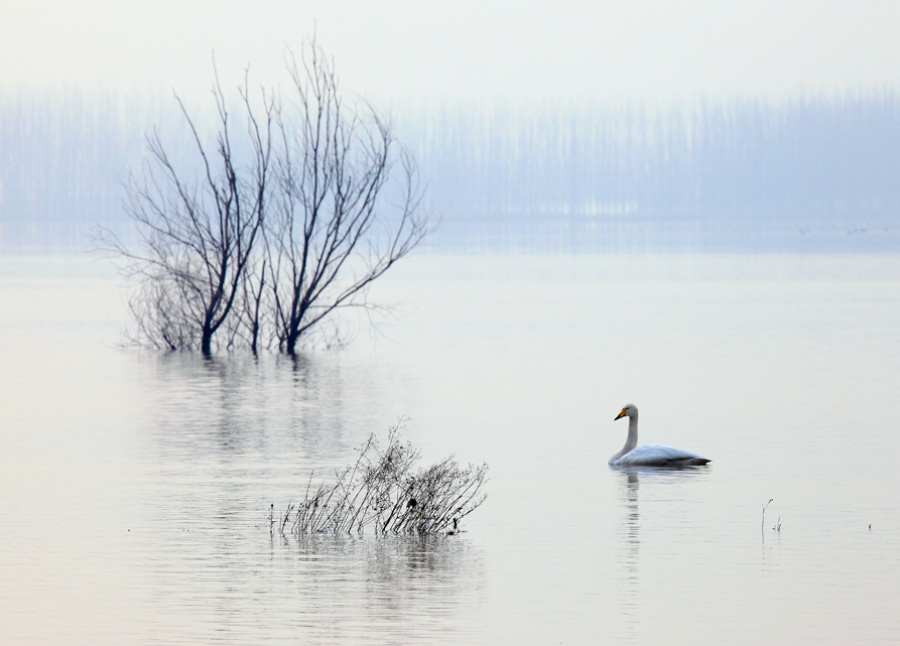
<point x="385" y="491"/>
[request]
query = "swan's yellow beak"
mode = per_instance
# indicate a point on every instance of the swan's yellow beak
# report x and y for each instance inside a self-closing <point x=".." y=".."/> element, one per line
<point x="621" y="414"/>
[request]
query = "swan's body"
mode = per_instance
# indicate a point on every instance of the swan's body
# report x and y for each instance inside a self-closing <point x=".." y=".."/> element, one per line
<point x="649" y="455"/>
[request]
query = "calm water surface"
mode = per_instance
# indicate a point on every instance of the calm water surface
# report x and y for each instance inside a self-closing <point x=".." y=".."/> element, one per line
<point x="135" y="487"/>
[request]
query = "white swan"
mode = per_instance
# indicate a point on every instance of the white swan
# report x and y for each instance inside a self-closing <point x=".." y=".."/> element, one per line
<point x="649" y="455"/>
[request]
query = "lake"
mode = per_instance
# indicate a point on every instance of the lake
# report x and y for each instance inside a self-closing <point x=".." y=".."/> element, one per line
<point x="136" y="486"/>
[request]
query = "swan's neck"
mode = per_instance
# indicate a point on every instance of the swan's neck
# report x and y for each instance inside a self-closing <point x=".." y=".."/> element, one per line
<point x="631" y="442"/>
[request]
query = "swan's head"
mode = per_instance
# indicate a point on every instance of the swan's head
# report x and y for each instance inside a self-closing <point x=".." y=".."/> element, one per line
<point x="630" y="410"/>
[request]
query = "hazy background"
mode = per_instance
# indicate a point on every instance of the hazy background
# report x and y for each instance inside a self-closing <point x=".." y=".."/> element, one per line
<point x="465" y="52"/>
<point x="764" y="125"/>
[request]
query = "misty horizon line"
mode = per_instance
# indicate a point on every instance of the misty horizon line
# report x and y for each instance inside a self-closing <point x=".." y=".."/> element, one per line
<point x="831" y="160"/>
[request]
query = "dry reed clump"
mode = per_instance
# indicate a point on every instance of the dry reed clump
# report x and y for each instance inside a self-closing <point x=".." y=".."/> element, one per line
<point x="383" y="490"/>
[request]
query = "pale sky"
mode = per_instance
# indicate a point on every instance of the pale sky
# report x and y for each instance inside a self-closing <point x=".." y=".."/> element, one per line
<point x="417" y="51"/>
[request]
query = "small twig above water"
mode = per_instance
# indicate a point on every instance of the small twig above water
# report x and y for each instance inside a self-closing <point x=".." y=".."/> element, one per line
<point x="763" y="524"/>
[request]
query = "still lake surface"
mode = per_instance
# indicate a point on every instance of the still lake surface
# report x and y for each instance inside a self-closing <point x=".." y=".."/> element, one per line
<point x="134" y="488"/>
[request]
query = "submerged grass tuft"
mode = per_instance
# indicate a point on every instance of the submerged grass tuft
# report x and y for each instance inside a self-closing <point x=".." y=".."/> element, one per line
<point x="385" y="492"/>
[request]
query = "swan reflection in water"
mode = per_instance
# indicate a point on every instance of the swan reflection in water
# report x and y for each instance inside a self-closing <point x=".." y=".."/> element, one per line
<point x="658" y="483"/>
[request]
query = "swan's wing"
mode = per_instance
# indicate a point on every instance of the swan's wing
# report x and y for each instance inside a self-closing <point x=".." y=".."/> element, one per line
<point x="661" y="456"/>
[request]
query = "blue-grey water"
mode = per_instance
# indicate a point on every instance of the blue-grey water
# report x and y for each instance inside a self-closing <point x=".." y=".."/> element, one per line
<point x="135" y="487"/>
